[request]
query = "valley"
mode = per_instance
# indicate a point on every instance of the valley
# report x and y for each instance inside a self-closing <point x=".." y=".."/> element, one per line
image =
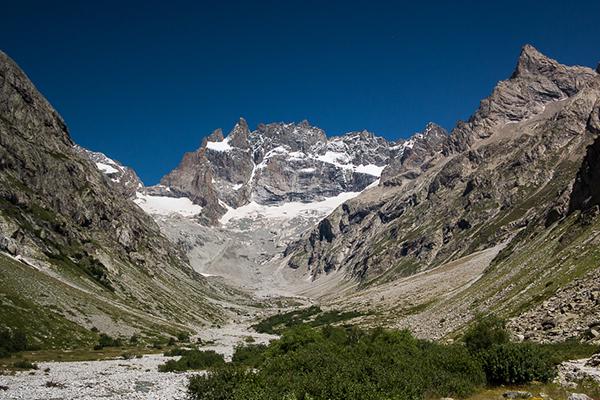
<point x="498" y="217"/>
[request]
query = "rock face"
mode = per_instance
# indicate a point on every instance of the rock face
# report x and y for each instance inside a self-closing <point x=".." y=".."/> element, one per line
<point x="278" y="163"/>
<point x="85" y="242"/>
<point x="418" y="153"/>
<point x="122" y="178"/>
<point x="510" y="166"/>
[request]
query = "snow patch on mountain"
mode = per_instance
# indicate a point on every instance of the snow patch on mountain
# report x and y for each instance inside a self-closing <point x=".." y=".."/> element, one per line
<point x="163" y="205"/>
<point x="107" y="169"/>
<point x="287" y="210"/>
<point x="219" y="146"/>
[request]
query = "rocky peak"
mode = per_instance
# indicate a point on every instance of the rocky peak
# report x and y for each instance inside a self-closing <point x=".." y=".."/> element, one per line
<point x="238" y="137"/>
<point x="500" y="172"/>
<point x="531" y="61"/>
<point x="216" y="136"/>
<point x="277" y="163"/>
<point x="415" y="155"/>
<point x="536" y="82"/>
<point x="297" y="137"/>
<point x="122" y="178"/>
<point x="433" y="130"/>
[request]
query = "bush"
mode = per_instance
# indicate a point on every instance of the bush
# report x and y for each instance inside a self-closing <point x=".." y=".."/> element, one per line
<point x="183" y="337"/>
<point x="24" y="364"/>
<point x="134" y="339"/>
<point x="12" y="341"/>
<point x="107" y="341"/>
<point x="485" y="333"/>
<point x="222" y="384"/>
<point x="251" y="355"/>
<point x="517" y="363"/>
<point x="338" y="363"/>
<point x="193" y="359"/>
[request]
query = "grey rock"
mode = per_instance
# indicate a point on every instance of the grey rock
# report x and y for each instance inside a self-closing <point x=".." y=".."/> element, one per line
<point x="60" y="208"/>
<point x="579" y="396"/>
<point x="276" y="163"/>
<point x="122" y="178"/>
<point x="516" y="395"/>
<point x="431" y="197"/>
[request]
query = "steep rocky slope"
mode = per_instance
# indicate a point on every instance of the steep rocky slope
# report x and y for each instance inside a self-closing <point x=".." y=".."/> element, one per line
<point x="492" y="176"/>
<point x="122" y="178"/>
<point x="76" y="252"/>
<point x="501" y="218"/>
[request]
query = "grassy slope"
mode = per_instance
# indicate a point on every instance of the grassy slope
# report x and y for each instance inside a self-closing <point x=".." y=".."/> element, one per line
<point x="55" y="314"/>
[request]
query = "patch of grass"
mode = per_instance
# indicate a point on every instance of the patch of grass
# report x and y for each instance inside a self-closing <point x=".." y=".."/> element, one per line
<point x="570" y="350"/>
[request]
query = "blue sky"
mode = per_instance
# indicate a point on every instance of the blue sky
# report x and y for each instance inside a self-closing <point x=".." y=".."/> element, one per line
<point x="145" y="81"/>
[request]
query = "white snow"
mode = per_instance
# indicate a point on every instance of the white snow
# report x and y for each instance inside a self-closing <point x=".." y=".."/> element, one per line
<point x="308" y="170"/>
<point x="163" y="205"/>
<point x="286" y="211"/>
<point x="370" y="169"/>
<point x="219" y="146"/>
<point x="336" y="158"/>
<point x="107" y="169"/>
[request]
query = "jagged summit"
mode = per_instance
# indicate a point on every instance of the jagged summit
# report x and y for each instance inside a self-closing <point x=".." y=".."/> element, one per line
<point x="532" y="61"/>
<point x="277" y="163"/>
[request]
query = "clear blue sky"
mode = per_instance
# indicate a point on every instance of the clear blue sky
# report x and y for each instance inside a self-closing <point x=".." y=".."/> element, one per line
<point x="145" y="81"/>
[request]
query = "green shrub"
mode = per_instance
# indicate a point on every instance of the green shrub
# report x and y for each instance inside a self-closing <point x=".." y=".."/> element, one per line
<point x="12" y="341"/>
<point x="225" y="383"/>
<point x="312" y="316"/>
<point x="517" y="363"/>
<point x="485" y="333"/>
<point x="193" y="359"/>
<point x="24" y="364"/>
<point x="134" y="339"/>
<point x="183" y="337"/>
<point x="251" y="355"/>
<point x="339" y="363"/>
<point x="107" y="341"/>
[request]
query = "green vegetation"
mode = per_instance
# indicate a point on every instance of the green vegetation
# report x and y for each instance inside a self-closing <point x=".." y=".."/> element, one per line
<point x="107" y="341"/>
<point x="343" y="363"/>
<point x="517" y="363"/>
<point x="250" y="355"/>
<point x="193" y="359"/>
<point x="24" y="364"/>
<point x="12" y="341"/>
<point x="349" y="363"/>
<point x="312" y="316"/>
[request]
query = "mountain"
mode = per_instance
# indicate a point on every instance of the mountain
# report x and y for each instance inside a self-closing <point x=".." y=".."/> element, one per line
<point x="122" y="178"/>
<point x="76" y="253"/>
<point x="238" y="201"/>
<point x="505" y="184"/>
<point x="498" y="215"/>
<point x="275" y="164"/>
